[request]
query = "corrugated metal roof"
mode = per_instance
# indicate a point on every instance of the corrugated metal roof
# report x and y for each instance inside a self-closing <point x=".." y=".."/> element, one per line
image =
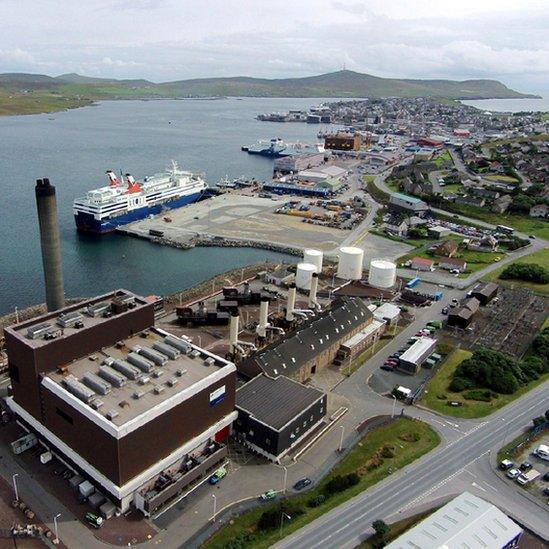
<point x="406" y="198"/>
<point x="275" y="402"/>
<point x="413" y="354"/>
<point x="466" y="521"/>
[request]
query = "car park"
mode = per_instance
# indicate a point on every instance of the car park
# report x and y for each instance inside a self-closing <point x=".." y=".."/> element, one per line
<point x="387" y="367"/>
<point x="513" y="473"/>
<point x="302" y="483"/>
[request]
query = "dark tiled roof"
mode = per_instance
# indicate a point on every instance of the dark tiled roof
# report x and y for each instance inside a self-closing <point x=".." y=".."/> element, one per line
<point x="277" y="401"/>
<point x="313" y="337"/>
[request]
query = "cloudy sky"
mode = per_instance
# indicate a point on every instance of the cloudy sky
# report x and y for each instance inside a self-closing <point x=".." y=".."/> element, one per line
<point x="174" y="39"/>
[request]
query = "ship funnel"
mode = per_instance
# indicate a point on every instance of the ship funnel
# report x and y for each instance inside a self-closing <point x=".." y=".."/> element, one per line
<point x="290" y="306"/>
<point x="46" y="204"/>
<point x="130" y="179"/>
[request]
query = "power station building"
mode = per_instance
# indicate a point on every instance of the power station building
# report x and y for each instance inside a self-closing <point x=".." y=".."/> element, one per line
<point x="138" y="412"/>
<point x="313" y="346"/>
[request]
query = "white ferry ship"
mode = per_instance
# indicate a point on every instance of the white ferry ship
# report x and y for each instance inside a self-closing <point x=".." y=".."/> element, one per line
<point x="123" y="201"/>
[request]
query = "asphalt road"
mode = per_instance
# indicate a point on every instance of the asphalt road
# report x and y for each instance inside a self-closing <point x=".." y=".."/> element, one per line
<point x="346" y="525"/>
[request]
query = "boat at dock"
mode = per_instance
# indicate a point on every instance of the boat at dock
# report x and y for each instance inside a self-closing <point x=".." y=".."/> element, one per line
<point x="125" y="200"/>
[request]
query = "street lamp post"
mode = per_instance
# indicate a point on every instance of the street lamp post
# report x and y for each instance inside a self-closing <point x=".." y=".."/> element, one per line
<point x="15" y="486"/>
<point x="55" y="526"/>
<point x="282" y="522"/>
<point x="394" y="405"/>
<point x="214" y="506"/>
<point x="285" y="478"/>
<point x="341" y="439"/>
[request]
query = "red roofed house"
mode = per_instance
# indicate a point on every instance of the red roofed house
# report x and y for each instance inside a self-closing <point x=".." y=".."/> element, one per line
<point x="422" y="264"/>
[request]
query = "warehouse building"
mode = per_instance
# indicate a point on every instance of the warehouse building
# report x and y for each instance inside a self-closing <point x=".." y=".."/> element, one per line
<point x="136" y="411"/>
<point x="465" y="521"/>
<point x="313" y="346"/>
<point x="403" y="202"/>
<point x="321" y="174"/>
<point x="276" y="414"/>
<point x="298" y="162"/>
<point x="485" y="292"/>
<point x="358" y="343"/>
<point x="343" y="142"/>
<point x="412" y="359"/>
<point x="462" y="317"/>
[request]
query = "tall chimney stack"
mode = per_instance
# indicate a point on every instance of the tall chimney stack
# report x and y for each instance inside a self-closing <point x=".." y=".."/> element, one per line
<point x="263" y="317"/>
<point x="290" y="305"/>
<point x="313" y="291"/>
<point x="233" y="331"/>
<point x="46" y="204"/>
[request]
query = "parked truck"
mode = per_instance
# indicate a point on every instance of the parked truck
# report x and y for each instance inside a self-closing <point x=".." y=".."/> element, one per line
<point x="526" y="478"/>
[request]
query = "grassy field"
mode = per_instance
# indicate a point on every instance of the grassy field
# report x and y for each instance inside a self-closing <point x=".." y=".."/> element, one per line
<point x="541" y="257"/>
<point x="443" y="161"/>
<point x="437" y="393"/>
<point x="396" y="529"/>
<point x="396" y="434"/>
<point x="527" y="225"/>
<point x="503" y="178"/>
<point x="452" y="188"/>
<point x="37" y="102"/>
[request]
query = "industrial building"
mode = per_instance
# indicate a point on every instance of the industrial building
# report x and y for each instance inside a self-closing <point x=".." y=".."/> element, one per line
<point x="343" y="142"/>
<point x="279" y="187"/>
<point x="403" y="202"/>
<point x="320" y="174"/>
<point x="275" y="414"/>
<point x="412" y="359"/>
<point x="438" y="231"/>
<point x="485" y="292"/>
<point x="462" y="317"/>
<point x="361" y="341"/>
<point x="296" y="163"/>
<point x="465" y="521"/>
<point x="132" y="409"/>
<point x="387" y="312"/>
<point x="313" y="345"/>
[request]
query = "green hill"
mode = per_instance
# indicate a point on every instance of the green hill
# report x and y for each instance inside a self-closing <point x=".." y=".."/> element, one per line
<point x="22" y="93"/>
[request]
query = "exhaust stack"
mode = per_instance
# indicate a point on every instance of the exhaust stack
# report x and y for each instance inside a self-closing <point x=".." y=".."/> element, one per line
<point x="263" y="317"/>
<point x="46" y="204"/>
<point x="290" y="306"/>
<point x="312" y="292"/>
<point x="233" y="332"/>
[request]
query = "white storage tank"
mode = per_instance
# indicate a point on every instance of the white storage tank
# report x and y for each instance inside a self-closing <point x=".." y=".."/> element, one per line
<point x="350" y="263"/>
<point x="314" y="257"/>
<point x="304" y="274"/>
<point x="382" y="273"/>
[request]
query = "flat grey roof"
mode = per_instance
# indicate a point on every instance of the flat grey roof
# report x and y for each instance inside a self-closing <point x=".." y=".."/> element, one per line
<point x="275" y="402"/>
<point x="465" y="522"/>
<point x="415" y="352"/>
<point x="176" y="375"/>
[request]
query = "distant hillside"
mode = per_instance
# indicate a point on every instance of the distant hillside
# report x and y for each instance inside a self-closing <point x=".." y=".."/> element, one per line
<point x="22" y="93"/>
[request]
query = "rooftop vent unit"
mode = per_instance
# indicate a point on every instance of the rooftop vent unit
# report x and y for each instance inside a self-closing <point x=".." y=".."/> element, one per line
<point x="158" y="373"/>
<point x="69" y="320"/>
<point x="195" y="354"/>
<point x="158" y="389"/>
<point x="179" y="344"/>
<point x="138" y="394"/>
<point x="142" y="363"/>
<point x="181" y="372"/>
<point x="123" y="367"/>
<point x="93" y="358"/>
<point x="165" y="349"/>
<point x="96" y="403"/>
<point x="172" y="382"/>
<point x="144" y="380"/>
<point x="209" y="361"/>
<point x="144" y="334"/>
<point x="112" y="376"/>
<point x="151" y="354"/>
<point x="95" y="383"/>
<point x="119" y="345"/>
<point x="97" y="309"/>
<point x="40" y="330"/>
<point x="111" y="414"/>
<point x="79" y="390"/>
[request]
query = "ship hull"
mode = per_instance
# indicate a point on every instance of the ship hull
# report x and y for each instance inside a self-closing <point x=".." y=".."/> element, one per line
<point x="88" y="224"/>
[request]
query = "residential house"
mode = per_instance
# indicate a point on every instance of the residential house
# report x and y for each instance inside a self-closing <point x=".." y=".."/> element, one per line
<point x="475" y="201"/>
<point x="501" y="204"/>
<point x="422" y="264"/>
<point x="451" y="263"/>
<point x="539" y="210"/>
<point x="448" y="248"/>
<point x="487" y="243"/>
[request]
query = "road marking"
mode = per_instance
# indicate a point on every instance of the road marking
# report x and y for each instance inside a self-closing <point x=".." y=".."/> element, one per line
<point x="475" y="485"/>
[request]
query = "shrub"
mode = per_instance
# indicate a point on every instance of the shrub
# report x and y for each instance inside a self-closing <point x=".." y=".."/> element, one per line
<point x="241" y="540"/>
<point x="484" y="395"/>
<point x="317" y="501"/>
<point x="340" y="483"/>
<point x="410" y="437"/>
<point x="387" y="452"/>
<point x="529" y="272"/>
<point x="459" y="384"/>
<point x="271" y="518"/>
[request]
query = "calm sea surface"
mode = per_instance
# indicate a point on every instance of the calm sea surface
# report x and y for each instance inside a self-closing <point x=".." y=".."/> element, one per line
<point x="510" y="105"/>
<point x="75" y="148"/>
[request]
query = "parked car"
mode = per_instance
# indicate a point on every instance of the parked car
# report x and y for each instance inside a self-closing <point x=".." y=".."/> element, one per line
<point x="546" y="476"/>
<point x="506" y="464"/>
<point x="218" y="475"/>
<point x="302" y="483"/>
<point x="513" y="473"/>
<point x="268" y="495"/>
<point x="525" y="466"/>
<point x="546" y="491"/>
<point x="455" y="301"/>
<point x="444" y="310"/>
<point x="387" y="367"/>
<point x="94" y="520"/>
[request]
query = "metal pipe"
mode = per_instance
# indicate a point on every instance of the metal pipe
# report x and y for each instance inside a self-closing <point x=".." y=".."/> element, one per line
<point x="46" y="204"/>
<point x="290" y="306"/>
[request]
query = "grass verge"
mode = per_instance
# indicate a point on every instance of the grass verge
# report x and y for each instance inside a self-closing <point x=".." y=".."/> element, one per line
<point x="398" y="434"/>
<point x="541" y="257"/>
<point x="437" y="394"/>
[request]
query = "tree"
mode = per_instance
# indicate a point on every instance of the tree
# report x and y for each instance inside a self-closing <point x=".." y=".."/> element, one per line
<point x="521" y="204"/>
<point x="380" y="528"/>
